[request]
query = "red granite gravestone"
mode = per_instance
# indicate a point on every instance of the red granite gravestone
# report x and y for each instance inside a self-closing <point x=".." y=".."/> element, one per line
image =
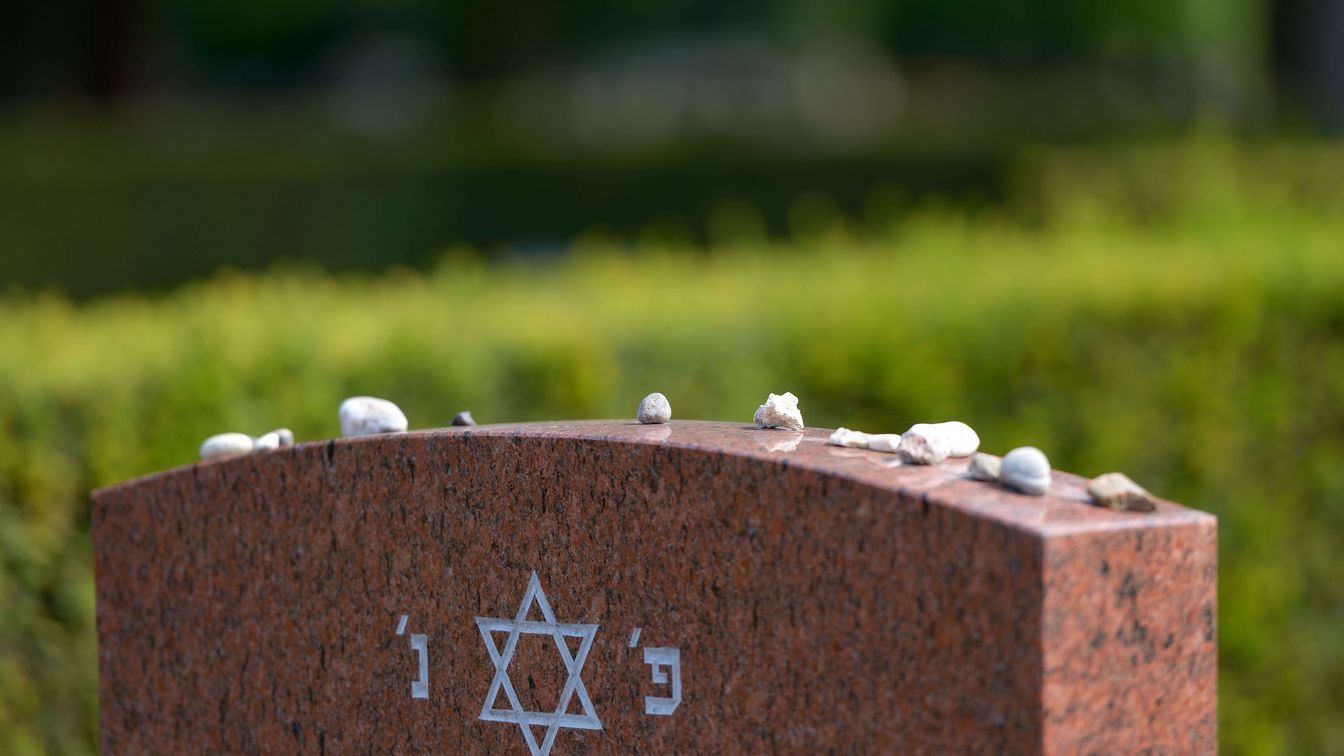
<point x="612" y="587"/>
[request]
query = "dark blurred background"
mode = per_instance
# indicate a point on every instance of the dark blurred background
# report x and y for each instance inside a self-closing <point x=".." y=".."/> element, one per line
<point x="148" y="142"/>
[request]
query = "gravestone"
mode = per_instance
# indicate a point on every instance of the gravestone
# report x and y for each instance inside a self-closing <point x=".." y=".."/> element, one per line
<point x="612" y="587"/>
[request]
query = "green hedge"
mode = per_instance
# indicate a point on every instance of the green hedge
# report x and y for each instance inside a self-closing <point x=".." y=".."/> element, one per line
<point x="1196" y="342"/>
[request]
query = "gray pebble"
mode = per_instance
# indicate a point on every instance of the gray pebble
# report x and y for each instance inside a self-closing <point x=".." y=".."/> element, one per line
<point x="1116" y="491"/>
<point x="654" y="410"/>
<point x="463" y="418"/>
<point x="984" y="467"/>
<point x="1025" y="469"/>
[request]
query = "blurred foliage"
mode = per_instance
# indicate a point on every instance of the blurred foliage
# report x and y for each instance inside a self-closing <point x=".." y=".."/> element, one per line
<point x="491" y="38"/>
<point x="1175" y="313"/>
<point x="58" y="44"/>
<point x="146" y="199"/>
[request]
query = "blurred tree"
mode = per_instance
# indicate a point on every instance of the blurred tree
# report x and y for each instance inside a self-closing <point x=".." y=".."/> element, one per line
<point x="46" y="47"/>
<point x="117" y="29"/>
<point x="108" y="47"/>
<point x="1309" y="56"/>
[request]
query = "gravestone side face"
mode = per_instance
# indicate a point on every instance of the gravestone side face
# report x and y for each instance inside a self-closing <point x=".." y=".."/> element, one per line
<point x="613" y="587"/>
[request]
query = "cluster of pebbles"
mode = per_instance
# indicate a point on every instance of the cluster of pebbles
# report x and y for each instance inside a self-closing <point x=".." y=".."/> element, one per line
<point x="236" y="444"/>
<point x="359" y="416"/>
<point x="922" y="444"/>
<point x="1025" y="469"/>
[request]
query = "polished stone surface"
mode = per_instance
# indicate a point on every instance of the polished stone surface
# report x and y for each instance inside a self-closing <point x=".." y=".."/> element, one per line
<point x="806" y="597"/>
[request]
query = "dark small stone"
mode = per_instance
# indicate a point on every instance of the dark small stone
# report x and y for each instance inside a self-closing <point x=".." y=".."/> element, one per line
<point x="463" y="418"/>
<point x="1116" y="491"/>
<point x="984" y="467"/>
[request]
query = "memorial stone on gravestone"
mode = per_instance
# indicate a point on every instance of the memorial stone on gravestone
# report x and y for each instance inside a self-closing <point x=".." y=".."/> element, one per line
<point x="615" y="587"/>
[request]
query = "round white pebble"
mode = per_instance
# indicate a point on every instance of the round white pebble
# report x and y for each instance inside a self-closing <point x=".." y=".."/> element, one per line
<point x="654" y="410"/>
<point x="227" y="445"/>
<point x="268" y="442"/>
<point x="1025" y="469"/>
<point x="366" y="415"/>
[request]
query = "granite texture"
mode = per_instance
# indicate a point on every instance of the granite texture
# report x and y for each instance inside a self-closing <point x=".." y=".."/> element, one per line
<point x="820" y="599"/>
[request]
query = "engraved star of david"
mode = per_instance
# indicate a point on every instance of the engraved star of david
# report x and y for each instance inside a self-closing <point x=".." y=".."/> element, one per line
<point x="521" y="625"/>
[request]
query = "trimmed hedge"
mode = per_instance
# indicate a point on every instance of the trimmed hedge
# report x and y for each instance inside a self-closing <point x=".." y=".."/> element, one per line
<point x="1199" y="348"/>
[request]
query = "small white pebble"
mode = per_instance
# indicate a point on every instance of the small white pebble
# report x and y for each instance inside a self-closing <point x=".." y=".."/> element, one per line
<point x="227" y="445"/>
<point x="463" y="419"/>
<point x="1026" y="469"/>
<point x="268" y="442"/>
<point x="885" y="442"/>
<point x="285" y="435"/>
<point x="850" y="438"/>
<point x="654" y="410"/>
<point x="780" y="411"/>
<point x="961" y="439"/>
<point x="366" y="415"/>
<point x="984" y="467"/>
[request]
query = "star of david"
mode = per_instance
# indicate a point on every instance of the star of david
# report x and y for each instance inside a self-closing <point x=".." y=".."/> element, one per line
<point x="521" y="625"/>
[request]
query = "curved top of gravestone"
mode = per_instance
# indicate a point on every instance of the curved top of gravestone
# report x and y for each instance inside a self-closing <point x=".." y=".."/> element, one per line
<point x="615" y="587"/>
<point x="1066" y="508"/>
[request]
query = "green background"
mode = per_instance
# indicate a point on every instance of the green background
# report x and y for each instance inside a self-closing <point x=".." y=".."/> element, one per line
<point x="1175" y="312"/>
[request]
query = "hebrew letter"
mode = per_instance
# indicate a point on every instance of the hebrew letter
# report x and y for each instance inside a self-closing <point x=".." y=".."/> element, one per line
<point x="420" y="687"/>
<point x="662" y="660"/>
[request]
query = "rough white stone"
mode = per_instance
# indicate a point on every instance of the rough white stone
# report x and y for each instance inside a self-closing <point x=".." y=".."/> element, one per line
<point x="923" y="448"/>
<point x="1116" y="491"/>
<point x="227" y="445"/>
<point x="654" y="410"/>
<point x="850" y="438"/>
<point x="1026" y="469"/>
<point x="780" y="411"/>
<point x="961" y="439"/>
<point x="365" y="415"/>
<point x="885" y="442"/>
<point x="984" y="467"/>
<point x="267" y="442"/>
